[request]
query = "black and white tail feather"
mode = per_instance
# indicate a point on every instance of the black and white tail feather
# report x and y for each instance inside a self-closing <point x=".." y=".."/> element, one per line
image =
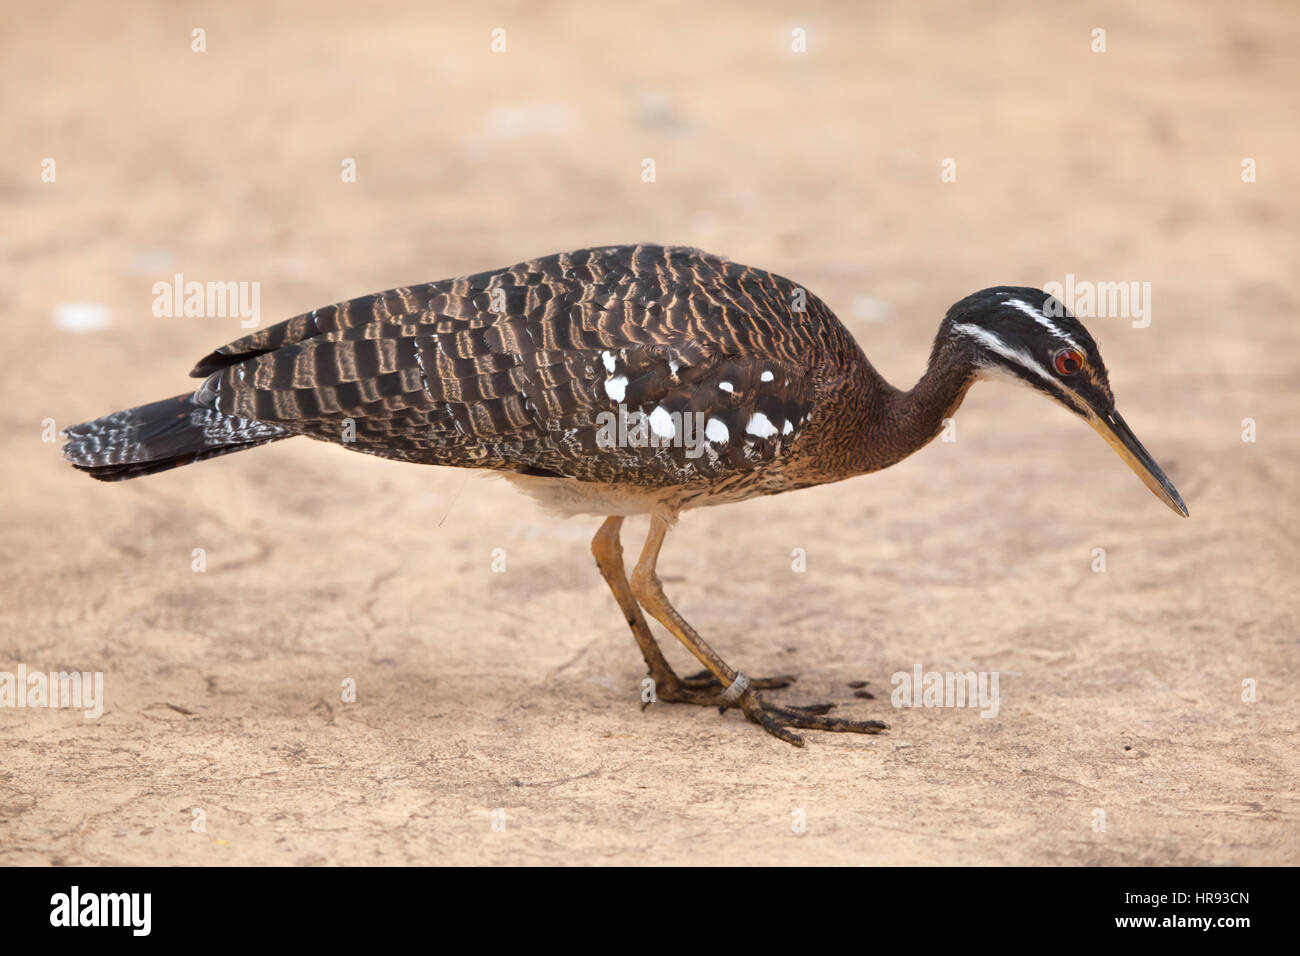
<point x="159" y="436"/>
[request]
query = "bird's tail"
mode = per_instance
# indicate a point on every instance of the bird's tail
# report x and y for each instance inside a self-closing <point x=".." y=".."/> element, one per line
<point x="161" y="435"/>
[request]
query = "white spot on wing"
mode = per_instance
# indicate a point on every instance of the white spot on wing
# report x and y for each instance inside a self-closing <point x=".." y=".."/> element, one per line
<point x="788" y="427"/>
<point x="760" y="425"/>
<point x="661" y="423"/>
<point x="716" y="431"/>
<point x="767" y="376"/>
<point x="609" y="360"/>
<point x="616" y="388"/>
<point x="726" y="386"/>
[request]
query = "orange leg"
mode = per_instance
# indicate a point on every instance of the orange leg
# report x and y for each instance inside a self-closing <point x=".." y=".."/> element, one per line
<point x="702" y="688"/>
<point x="740" y="690"/>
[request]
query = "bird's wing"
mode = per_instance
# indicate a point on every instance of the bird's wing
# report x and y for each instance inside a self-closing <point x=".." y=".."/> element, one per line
<point x="642" y="364"/>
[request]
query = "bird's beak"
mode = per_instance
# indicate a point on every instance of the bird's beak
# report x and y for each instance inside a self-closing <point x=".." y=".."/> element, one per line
<point x="1121" y="438"/>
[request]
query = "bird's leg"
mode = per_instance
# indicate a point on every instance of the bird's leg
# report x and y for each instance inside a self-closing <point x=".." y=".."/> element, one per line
<point x="739" y="690"/>
<point x="608" y="551"/>
<point x="701" y="688"/>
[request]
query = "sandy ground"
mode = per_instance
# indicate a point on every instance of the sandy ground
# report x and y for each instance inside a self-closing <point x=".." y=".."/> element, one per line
<point x="478" y="691"/>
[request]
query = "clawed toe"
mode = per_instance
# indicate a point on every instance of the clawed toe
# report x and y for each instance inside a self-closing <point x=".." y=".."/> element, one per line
<point x="810" y="708"/>
<point x="776" y="719"/>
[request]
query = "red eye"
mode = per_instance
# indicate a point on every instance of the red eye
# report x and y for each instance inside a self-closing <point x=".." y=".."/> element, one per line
<point x="1068" y="361"/>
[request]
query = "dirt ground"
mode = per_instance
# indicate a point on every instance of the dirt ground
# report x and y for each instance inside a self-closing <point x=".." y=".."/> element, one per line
<point x="487" y="696"/>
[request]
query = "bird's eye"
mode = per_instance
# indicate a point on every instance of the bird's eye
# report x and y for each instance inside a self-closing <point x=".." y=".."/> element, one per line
<point x="1068" y="361"/>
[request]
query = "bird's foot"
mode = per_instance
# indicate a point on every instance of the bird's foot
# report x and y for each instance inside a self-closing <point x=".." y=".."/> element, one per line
<point x="705" y="680"/>
<point x="705" y="690"/>
<point x="676" y="690"/>
<point x="775" y="719"/>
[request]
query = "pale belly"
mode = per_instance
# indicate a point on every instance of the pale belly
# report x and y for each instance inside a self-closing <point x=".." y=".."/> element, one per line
<point x="568" y="496"/>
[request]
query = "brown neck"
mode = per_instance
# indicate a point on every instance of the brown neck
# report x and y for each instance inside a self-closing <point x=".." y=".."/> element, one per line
<point x="903" y="422"/>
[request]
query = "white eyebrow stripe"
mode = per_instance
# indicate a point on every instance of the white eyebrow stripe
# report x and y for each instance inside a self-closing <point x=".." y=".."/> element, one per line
<point x="1042" y="320"/>
<point x="1020" y="357"/>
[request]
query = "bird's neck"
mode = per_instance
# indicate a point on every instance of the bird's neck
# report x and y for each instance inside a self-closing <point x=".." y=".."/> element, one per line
<point x="902" y="422"/>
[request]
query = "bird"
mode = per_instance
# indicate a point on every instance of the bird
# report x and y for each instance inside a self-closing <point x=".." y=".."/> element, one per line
<point x="614" y="382"/>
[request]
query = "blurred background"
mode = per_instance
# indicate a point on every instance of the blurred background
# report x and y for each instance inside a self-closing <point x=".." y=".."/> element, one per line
<point x="808" y="139"/>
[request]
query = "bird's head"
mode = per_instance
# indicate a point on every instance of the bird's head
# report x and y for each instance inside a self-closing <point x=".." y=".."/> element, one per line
<point x="1027" y="336"/>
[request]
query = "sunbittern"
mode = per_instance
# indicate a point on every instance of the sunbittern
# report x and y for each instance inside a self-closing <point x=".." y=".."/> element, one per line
<point x="617" y="381"/>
